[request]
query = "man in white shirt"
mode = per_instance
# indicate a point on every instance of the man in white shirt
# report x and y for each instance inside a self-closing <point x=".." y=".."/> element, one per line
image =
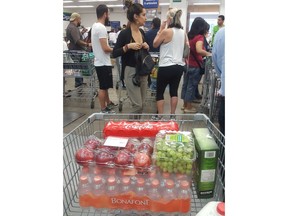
<point x="102" y="61"/>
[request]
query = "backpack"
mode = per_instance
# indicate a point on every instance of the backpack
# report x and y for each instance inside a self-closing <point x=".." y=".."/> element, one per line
<point x="145" y="63"/>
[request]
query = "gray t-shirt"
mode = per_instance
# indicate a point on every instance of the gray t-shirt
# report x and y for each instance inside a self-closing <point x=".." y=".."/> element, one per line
<point x="73" y="34"/>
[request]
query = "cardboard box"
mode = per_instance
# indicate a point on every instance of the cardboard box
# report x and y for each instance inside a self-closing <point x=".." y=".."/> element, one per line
<point x="205" y="166"/>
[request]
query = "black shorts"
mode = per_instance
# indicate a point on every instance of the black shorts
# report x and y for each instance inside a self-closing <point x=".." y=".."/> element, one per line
<point x="104" y="74"/>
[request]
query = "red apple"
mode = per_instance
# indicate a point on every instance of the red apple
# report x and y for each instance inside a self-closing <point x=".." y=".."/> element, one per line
<point x="84" y="156"/>
<point x="131" y="147"/>
<point x="93" y="143"/>
<point x="142" y="160"/>
<point x="122" y="158"/>
<point x="103" y="157"/>
<point x="145" y="147"/>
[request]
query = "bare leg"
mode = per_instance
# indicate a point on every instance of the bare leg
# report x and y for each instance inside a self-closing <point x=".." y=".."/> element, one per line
<point x="173" y="104"/>
<point x="102" y="98"/>
<point x="160" y="106"/>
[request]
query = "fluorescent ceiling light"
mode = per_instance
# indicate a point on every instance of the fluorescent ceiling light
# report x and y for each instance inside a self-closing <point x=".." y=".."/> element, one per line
<point x="204" y="13"/>
<point x="115" y="5"/>
<point x="164" y="4"/>
<point x="82" y="6"/>
<point x="97" y="0"/>
<point x="206" y="3"/>
<point x="67" y="1"/>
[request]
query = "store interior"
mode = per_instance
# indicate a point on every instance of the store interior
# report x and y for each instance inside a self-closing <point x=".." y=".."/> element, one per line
<point x="76" y="112"/>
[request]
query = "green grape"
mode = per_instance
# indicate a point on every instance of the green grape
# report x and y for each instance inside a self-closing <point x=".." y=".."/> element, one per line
<point x="175" y="170"/>
<point x="189" y="166"/>
<point x="165" y="169"/>
<point x="188" y="172"/>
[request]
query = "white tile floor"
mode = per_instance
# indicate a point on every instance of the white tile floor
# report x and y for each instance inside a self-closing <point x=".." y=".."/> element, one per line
<point x="113" y="94"/>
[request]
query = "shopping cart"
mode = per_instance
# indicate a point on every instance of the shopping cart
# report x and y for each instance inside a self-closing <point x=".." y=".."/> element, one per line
<point x="211" y="83"/>
<point x="95" y="124"/>
<point x="150" y="102"/>
<point x="78" y="64"/>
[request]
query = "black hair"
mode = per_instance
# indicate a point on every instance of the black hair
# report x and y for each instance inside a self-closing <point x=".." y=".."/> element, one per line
<point x="199" y="26"/>
<point x="207" y="28"/>
<point x="133" y="8"/>
<point x="100" y="10"/>
<point x="156" y="22"/>
<point x="222" y="17"/>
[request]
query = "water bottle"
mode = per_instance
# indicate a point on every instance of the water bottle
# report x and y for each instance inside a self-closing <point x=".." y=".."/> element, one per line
<point x="165" y="176"/>
<point x="112" y="193"/>
<point x="141" y="193"/>
<point x="180" y="177"/>
<point x="98" y="191"/>
<point x="185" y="198"/>
<point x="213" y="208"/>
<point x="85" y="171"/>
<point x="151" y="176"/>
<point x="126" y="193"/>
<point x="154" y="195"/>
<point x="84" y="190"/>
<point x="169" y="194"/>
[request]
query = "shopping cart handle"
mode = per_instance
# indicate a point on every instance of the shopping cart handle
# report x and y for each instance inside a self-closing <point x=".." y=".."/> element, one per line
<point x="95" y="116"/>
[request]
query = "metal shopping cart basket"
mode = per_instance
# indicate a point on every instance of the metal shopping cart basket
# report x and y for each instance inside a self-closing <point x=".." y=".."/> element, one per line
<point x="80" y="64"/>
<point x="95" y="124"/>
<point x="211" y="84"/>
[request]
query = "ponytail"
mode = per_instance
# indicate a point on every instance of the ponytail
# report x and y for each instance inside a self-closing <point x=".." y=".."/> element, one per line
<point x="174" y="14"/>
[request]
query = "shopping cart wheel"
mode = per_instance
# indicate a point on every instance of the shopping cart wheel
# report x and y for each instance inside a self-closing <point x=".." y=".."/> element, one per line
<point x="92" y="104"/>
<point x="117" y="86"/>
<point x="120" y="106"/>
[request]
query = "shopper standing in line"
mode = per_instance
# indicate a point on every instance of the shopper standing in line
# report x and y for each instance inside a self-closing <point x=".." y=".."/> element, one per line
<point x="102" y="61"/>
<point x="76" y="42"/>
<point x="129" y="41"/>
<point x="151" y="34"/>
<point x="220" y="24"/>
<point x="171" y="38"/>
<point x="218" y="57"/>
<point x="193" y="76"/>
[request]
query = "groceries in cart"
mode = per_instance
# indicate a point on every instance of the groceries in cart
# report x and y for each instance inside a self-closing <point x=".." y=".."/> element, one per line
<point x="205" y="167"/>
<point x="174" y="151"/>
<point x="156" y="192"/>
<point x="121" y="152"/>
<point x="137" y="129"/>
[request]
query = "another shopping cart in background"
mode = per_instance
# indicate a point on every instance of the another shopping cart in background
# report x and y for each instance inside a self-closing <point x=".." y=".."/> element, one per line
<point x="94" y="125"/>
<point x="78" y="64"/>
<point x="210" y="86"/>
<point x="150" y="102"/>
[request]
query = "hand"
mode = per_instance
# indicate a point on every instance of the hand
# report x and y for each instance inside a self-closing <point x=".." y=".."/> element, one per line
<point x="163" y="25"/>
<point x="209" y="54"/>
<point x="145" y="46"/>
<point x="135" y="46"/>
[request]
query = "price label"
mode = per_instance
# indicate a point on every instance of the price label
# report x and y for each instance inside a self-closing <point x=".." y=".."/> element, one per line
<point x="116" y="141"/>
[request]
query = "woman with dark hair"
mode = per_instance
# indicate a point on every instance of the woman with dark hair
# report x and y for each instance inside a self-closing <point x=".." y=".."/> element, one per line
<point x="193" y="76"/>
<point x="171" y="63"/>
<point x="129" y="41"/>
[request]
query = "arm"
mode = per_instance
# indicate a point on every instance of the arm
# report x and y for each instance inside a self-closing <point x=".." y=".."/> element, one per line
<point x="77" y="38"/>
<point x="119" y="48"/>
<point x="160" y="37"/>
<point x="105" y="47"/>
<point x="200" y="50"/>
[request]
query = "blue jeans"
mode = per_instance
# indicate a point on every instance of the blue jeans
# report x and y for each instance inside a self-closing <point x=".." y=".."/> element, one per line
<point x="191" y="81"/>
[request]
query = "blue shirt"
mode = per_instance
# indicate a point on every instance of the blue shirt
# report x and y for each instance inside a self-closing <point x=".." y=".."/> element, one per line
<point x="149" y="37"/>
<point x="218" y="57"/>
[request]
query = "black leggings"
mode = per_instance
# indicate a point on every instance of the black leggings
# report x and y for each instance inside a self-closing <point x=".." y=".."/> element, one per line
<point x="168" y="75"/>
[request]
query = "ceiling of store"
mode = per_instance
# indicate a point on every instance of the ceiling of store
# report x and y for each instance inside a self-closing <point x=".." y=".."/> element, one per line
<point x="87" y="5"/>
